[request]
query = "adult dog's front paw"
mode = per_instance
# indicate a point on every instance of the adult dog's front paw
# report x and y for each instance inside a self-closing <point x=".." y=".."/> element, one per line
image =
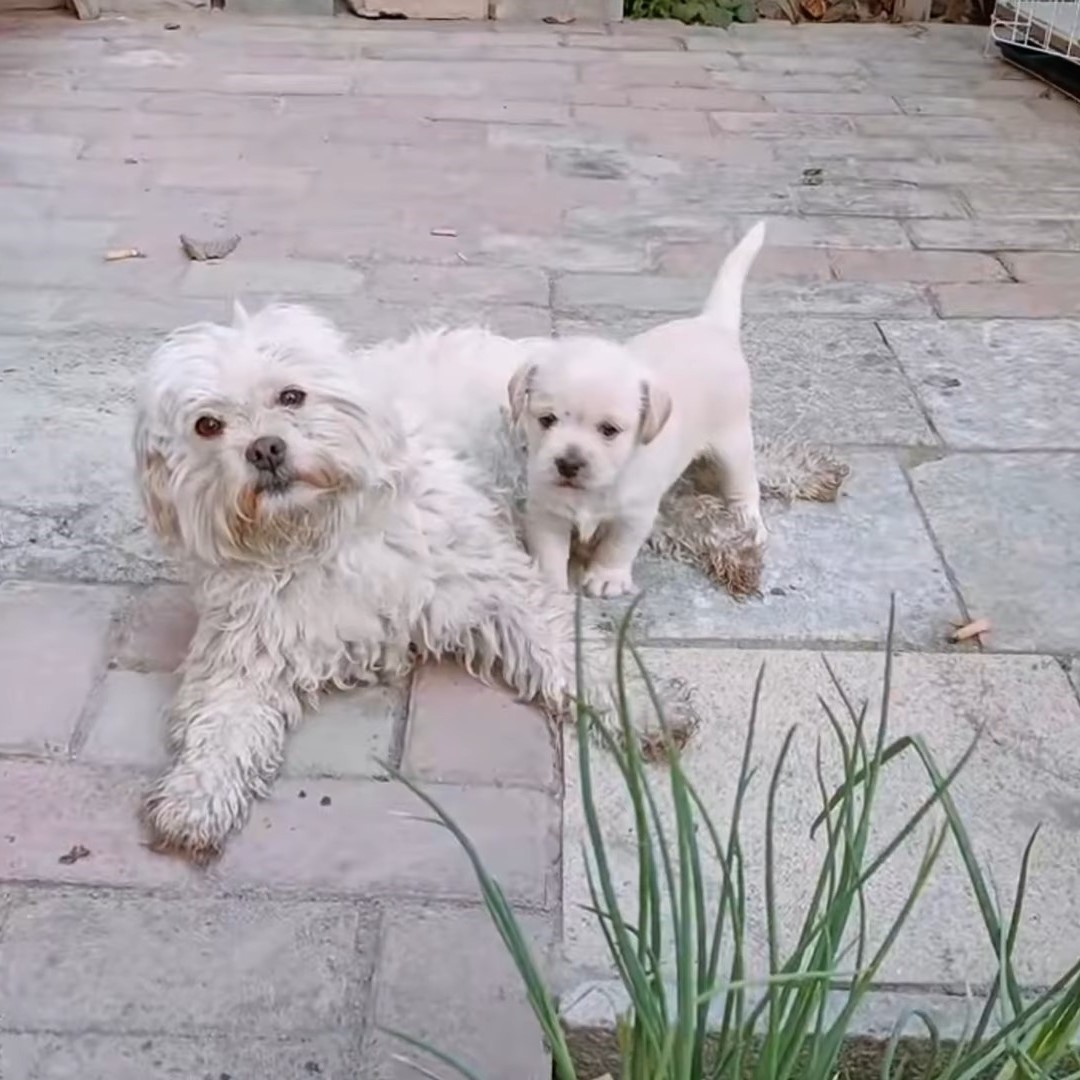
<point x="607" y="581"/>
<point x="190" y="813"/>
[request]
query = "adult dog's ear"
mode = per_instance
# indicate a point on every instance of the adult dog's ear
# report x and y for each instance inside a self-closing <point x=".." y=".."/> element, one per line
<point x="655" y="410"/>
<point x="519" y="387"/>
<point x="155" y="486"/>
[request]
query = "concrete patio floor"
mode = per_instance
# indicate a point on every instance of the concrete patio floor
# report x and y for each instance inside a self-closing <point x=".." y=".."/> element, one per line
<point x="917" y="309"/>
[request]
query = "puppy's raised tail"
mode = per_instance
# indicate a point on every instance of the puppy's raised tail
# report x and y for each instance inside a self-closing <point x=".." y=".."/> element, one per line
<point x="725" y="301"/>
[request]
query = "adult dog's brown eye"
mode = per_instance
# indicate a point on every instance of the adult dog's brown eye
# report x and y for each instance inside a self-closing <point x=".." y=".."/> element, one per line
<point x="206" y="427"/>
<point x="547" y="420"/>
<point x="292" y="397"/>
<point x="609" y="431"/>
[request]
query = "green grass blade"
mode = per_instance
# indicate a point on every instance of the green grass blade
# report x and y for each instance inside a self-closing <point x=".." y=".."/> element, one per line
<point x="689" y="928"/>
<point x="898" y="1033"/>
<point x="439" y="1055"/>
<point x="638" y="981"/>
<point x="967" y="850"/>
<point x="829" y="1050"/>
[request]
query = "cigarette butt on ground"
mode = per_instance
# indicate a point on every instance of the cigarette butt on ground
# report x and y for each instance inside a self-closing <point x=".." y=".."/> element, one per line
<point x="974" y="629"/>
<point x="117" y="254"/>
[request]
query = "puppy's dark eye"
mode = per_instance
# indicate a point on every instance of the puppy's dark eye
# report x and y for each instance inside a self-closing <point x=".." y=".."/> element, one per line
<point x="547" y="420"/>
<point x="292" y="397"/>
<point x="609" y="431"/>
<point x="207" y="427"/>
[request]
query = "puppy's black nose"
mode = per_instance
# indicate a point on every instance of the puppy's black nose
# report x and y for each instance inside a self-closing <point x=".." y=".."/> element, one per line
<point x="568" y="467"/>
<point x="266" y="453"/>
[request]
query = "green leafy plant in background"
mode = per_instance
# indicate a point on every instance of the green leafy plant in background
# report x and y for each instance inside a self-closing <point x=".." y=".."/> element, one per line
<point x="694" y="1012"/>
<point x="693" y="12"/>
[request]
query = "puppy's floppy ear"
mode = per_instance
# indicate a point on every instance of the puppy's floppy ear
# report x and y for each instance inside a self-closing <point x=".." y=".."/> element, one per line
<point x="155" y="486"/>
<point x="655" y="410"/>
<point x="519" y="387"/>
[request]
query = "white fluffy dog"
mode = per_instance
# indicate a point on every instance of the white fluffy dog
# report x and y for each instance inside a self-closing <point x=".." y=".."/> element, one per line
<point x="334" y="538"/>
<point x="610" y="428"/>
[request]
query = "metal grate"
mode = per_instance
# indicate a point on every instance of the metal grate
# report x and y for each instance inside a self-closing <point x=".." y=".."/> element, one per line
<point x="1047" y="26"/>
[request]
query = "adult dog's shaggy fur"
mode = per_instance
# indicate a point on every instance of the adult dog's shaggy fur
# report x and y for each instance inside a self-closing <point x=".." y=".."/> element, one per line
<point x="610" y="428"/>
<point x="334" y="538"/>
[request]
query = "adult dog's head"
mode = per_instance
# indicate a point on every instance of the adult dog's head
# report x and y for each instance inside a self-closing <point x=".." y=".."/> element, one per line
<point x="255" y="442"/>
<point x="586" y="405"/>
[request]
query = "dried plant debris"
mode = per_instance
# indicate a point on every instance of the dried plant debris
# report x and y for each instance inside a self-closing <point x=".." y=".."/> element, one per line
<point x="219" y="247"/>
<point x="695" y="526"/>
<point x="86" y="9"/>
<point x="74" y="855"/>
<point x="655" y="741"/>
<point x="970" y="631"/>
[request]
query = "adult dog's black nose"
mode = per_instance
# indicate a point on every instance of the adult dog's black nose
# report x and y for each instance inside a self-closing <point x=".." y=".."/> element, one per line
<point x="568" y="466"/>
<point x="266" y="453"/>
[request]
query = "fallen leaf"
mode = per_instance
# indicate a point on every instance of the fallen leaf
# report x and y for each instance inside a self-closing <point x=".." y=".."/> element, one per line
<point x="325" y="800"/>
<point x="208" y="250"/>
<point x="86" y="9"/>
<point x="966" y="631"/>
<point x="560" y="20"/>
<point x="118" y="254"/>
<point x="74" y="855"/>
<point x="172" y="26"/>
<point x="444" y="232"/>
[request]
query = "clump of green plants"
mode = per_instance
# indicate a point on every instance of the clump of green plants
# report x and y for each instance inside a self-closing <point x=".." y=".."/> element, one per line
<point x="694" y="1012"/>
<point x="720" y="13"/>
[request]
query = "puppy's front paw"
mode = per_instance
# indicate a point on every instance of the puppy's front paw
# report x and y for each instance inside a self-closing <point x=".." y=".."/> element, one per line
<point x="190" y="814"/>
<point x="751" y="522"/>
<point x="607" y="581"/>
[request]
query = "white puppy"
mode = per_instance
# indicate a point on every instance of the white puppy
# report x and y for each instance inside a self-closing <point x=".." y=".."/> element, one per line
<point x="611" y="428"/>
<point x="333" y="540"/>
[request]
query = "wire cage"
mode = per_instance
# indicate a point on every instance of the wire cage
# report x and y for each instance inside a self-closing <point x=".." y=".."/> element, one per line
<point x="1047" y="26"/>
<point x="1041" y="36"/>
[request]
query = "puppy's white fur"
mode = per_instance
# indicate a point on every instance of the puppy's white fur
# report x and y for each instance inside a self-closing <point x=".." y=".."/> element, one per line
<point x="373" y="543"/>
<point x="611" y="428"/>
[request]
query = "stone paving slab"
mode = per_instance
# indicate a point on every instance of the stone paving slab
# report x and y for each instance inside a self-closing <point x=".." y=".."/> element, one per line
<point x="806" y="594"/>
<point x="989" y="384"/>
<point x="459" y="732"/>
<point x="470" y="1004"/>
<point x="38" y="626"/>
<point x="805" y="377"/>
<point x="1020" y="776"/>
<point x="349" y="735"/>
<point x="73" y="962"/>
<point x="305" y="838"/>
<point x="94" y="1056"/>
<point x="1005" y="523"/>
<point x="593" y="178"/>
<point x="156" y="630"/>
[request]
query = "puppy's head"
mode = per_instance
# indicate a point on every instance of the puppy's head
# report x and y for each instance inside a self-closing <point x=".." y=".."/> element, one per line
<point x="254" y="442"/>
<point x="586" y="405"/>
